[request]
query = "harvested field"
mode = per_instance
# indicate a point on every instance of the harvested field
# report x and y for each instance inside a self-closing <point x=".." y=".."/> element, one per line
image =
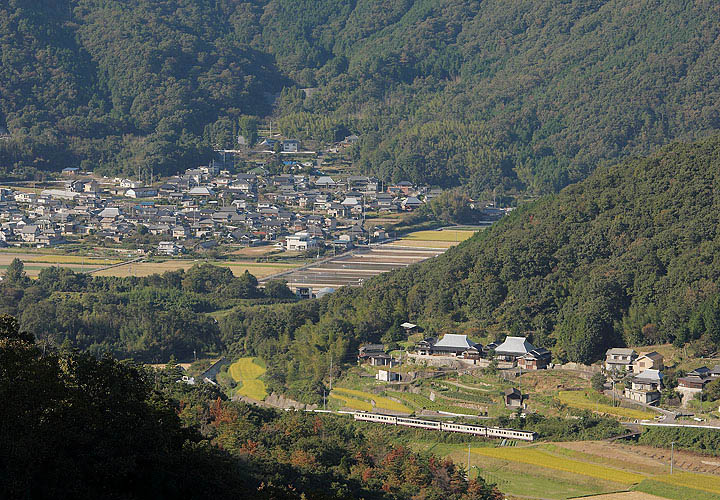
<point x="583" y="401"/>
<point x="624" y="495"/>
<point x="354" y="268"/>
<point x="237" y="267"/>
<point x="36" y="262"/>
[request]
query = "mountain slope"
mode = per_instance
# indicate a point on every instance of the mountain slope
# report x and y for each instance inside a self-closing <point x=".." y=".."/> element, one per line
<point x="628" y="256"/>
<point x="534" y="94"/>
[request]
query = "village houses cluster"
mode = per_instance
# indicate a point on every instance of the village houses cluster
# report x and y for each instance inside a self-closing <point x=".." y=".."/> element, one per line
<point x="644" y="372"/>
<point x="207" y="206"/>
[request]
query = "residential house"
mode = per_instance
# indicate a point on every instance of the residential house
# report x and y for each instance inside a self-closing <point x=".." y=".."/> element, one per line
<point x="410" y="203"/>
<point x="693" y="383"/>
<point x="141" y="192"/>
<point x="169" y="248"/>
<point x="648" y="361"/>
<point x="290" y="146"/>
<point x="537" y="359"/>
<point x="645" y="387"/>
<point x="387" y="376"/>
<point x="619" y="359"/>
<point x="300" y="241"/>
<point x="368" y="350"/>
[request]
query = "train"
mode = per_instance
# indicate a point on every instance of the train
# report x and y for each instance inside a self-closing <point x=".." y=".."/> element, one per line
<point x="477" y="430"/>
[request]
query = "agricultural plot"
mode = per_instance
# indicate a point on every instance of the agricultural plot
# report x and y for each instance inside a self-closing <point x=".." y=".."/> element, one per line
<point x="353" y="269"/>
<point x="36" y="262"/>
<point x="672" y="491"/>
<point x="448" y="235"/>
<point x="247" y="372"/>
<point x="382" y="403"/>
<point x="418" y="402"/>
<point x="237" y="267"/>
<point x="710" y="484"/>
<point x="352" y="403"/>
<point x="538" y="457"/>
<point x="582" y="401"/>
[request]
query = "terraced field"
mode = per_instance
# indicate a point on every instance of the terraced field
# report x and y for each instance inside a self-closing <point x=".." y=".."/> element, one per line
<point x="581" y="400"/>
<point x="247" y="372"/>
<point x="417" y="402"/>
<point x="352" y="403"/>
<point x="383" y="403"/>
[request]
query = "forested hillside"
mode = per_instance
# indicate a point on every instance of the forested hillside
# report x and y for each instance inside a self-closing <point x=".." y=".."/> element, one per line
<point x="533" y="93"/>
<point x="77" y="427"/>
<point x="628" y="256"/>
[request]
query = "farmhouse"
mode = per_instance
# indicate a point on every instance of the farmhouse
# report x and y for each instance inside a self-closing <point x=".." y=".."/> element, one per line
<point x="645" y="387"/>
<point x="619" y="359"/>
<point x="537" y="359"/>
<point x="650" y="360"/>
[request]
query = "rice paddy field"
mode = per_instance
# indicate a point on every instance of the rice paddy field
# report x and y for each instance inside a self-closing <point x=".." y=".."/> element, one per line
<point x="444" y="238"/>
<point x="592" y="469"/>
<point x="448" y="235"/>
<point x="583" y="401"/>
<point x="247" y="372"/>
<point x="361" y="400"/>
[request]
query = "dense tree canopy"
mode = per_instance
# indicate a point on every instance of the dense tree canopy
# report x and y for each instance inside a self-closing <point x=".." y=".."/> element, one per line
<point x="75" y="426"/>
<point x="534" y="94"/>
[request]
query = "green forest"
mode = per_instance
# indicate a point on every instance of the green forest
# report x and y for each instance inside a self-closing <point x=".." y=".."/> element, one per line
<point x="76" y="426"/>
<point x="627" y="257"/>
<point x="533" y="95"/>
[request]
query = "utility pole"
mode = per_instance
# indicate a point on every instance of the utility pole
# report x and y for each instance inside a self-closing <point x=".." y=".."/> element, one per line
<point x="468" y="463"/>
<point x="672" y="455"/>
<point x="331" y="371"/>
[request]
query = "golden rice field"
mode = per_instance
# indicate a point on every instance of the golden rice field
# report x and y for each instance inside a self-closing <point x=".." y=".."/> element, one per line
<point x="380" y="401"/>
<point x="538" y="457"/>
<point x="352" y="403"/>
<point x="246" y="371"/>
<point x="448" y="235"/>
<point x="702" y="482"/>
<point x="578" y="399"/>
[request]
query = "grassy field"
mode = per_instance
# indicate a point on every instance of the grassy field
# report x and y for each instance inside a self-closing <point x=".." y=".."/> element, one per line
<point x="246" y="371"/>
<point x="583" y="401"/>
<point x="380" y="402"/>
<point x="539" y="457"/>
